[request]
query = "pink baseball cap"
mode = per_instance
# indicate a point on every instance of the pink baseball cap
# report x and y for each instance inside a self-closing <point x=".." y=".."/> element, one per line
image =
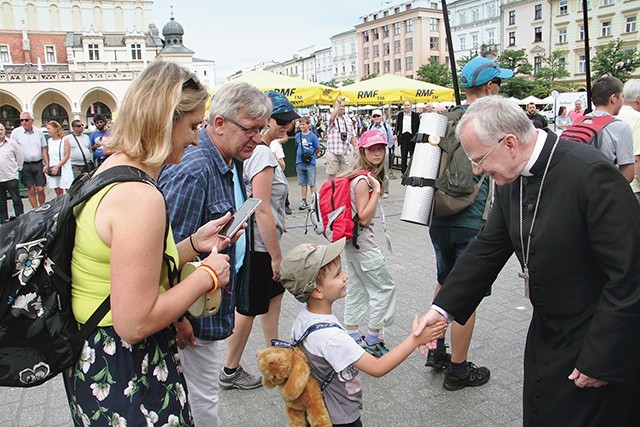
<point x="372" y="137"/>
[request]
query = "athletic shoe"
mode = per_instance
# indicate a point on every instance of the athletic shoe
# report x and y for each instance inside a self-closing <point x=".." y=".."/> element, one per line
<point x="303" y="205"/>
<point x="240" y="379"/>
<point x="377" y="350"/>
<point x="438" y="358"/>
<point x="287" y="210"/>
<point x="473" y="376"/>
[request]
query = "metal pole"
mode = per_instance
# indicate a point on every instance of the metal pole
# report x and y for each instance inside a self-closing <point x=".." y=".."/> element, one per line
<point x="452" y="59"/>
<point x="587" y="55"/>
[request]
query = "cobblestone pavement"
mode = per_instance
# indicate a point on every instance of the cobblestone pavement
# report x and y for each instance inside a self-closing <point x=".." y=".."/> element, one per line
<point x="411" y="395"/>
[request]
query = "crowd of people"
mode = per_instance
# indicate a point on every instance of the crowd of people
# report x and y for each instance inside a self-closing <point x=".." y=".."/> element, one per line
<point x="150" y="361"/>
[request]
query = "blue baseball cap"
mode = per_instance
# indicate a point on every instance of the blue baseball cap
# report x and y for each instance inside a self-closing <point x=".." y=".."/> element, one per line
<point x="481" y="70"/>
<point x="282" y="108"/>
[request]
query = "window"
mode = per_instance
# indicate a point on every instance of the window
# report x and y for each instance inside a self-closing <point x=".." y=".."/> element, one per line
<point x="537" y="11"/>
<point x="353" y="47"/>
<point x="50" y="54"/>
<point x="385" y="31"/>
<point x="376" y="68"/>
<point x="396" y="29"/>
<point x="386" y="66"/>
<point x="434" y="24"/>
<point x="537" y="37"/>
<point x="409" y="63"/>
<point x="434" y="43"/>
<point x="409" y="44"/>
<point x="375" y="33"/>
<point x="434" y="59"/>
<point x="94" y="52"/>
<point x="365" y="52"/>
<point x="353" y="66"/>
<point x="408" y="25"/>
<point x="512" y="17"/>
<point x="512" y="38"/>
<point x="581" y="32"/>
<point x="563" y="7"/>
<point x="562" y="63"/>
<point x="491" y="38"/>
<point x="365" y="35"/>
<point x="386" y="49"/>
<point x="367" y="70"/>
<point x="475" y="15"/>
<point x="463" y="43"/>
<point x="136" y="51"/>
<point x="396" y="46"/>
<point x="537" y="64"/>
<point x="630" y="25"/>
<point x="582" y="64"/>
<point x="462" y="17"/>
<point x="397" y="65"/>
<point x="562" y="35"/>
<point x="607" y="2"/>
<point x="606" y="29"/>
<point x="376" y="51"/>
<point x="474" y="41"/>
<point x="5" y="57"/>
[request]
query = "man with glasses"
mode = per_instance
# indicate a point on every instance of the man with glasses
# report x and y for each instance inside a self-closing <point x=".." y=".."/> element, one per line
<point x="341" y="141"/>
<point x="81" y="160"/>
<point x="205" y="185"/>
<point x="36" y="158"/>
<point x="573" y="223"/>
<point x="451" y="234"/>
<point x="11" y="160"/>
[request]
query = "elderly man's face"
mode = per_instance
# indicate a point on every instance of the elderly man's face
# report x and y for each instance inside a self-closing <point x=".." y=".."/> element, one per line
<point x="241" y="135"/>
<point x="26" y="121"/>
<point x="578" y="104"/>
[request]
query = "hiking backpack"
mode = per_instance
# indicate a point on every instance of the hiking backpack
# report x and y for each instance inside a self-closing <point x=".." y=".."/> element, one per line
<point x="39" y="336"/>
<point x="455" y="185"/>
<point x="330" y="210"/>
<point x="588" y="129"/>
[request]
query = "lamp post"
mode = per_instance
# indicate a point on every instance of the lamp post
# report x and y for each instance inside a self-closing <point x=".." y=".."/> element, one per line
<point x="554" y="95"/>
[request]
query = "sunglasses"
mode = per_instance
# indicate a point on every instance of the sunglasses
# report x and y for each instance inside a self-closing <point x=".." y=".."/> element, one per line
<point x="193" y="82"/>
<point x="25" y="120"/>
<point x="78" y="125"/>
<point x="281" y="122"/>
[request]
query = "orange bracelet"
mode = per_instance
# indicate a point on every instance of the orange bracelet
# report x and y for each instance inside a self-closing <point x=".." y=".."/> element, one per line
<point x="214" y="276"/>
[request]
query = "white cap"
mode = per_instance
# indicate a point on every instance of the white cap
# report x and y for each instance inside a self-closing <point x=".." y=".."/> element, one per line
<point x="376" y="113"/>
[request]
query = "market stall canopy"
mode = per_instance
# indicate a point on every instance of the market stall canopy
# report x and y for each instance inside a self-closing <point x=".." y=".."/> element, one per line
<point x="300" y="92"/>
<point x="390" y="88"/>
<point x="530" y="99"/>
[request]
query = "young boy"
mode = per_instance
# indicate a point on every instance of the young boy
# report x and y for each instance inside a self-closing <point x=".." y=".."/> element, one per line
<point x="313" y="275"/>
<point x="307" y="146"/>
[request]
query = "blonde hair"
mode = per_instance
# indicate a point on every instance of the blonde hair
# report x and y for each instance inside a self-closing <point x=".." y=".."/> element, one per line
<point x="155" y="100"/>
<point x="362" y="164"/>
<point x="56" y="126"/>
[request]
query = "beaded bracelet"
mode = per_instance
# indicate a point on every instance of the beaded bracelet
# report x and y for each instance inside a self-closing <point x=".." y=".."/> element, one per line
<point x="214" y="276"/>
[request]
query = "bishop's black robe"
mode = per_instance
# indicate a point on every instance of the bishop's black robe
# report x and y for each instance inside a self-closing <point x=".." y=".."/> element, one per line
<point x="584" y="270"/>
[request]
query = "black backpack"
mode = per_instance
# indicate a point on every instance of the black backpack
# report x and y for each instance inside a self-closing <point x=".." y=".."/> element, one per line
<point x="39" y="336"/>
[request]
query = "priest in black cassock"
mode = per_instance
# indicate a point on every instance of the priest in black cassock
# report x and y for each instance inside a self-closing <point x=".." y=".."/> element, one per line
<point x="574" y="224"/>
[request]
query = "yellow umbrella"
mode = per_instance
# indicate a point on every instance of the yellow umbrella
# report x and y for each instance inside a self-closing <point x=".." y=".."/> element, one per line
<point x="300" y="92"/>
<point x="390" y="88"/>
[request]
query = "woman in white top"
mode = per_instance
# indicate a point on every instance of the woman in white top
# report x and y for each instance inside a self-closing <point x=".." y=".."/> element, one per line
<point x="563" y="120"/>
<point x="61" y="174"/>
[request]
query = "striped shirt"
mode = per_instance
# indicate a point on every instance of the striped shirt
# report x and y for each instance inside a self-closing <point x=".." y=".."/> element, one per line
<point x="198" y="189"/>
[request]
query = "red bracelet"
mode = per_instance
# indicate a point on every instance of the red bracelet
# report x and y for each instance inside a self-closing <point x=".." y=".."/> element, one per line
<point x="214" y="275"/>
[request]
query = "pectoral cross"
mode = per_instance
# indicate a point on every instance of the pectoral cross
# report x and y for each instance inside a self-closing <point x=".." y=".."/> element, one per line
<point x="525" y="276"/>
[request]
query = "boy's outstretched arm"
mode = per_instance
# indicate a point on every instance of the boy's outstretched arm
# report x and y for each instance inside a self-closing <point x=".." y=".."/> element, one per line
<point x="378" y="367"/>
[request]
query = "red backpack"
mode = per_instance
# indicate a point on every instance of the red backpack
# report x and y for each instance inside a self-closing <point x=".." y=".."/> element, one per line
<point x="588" y="129"/>
<point x="330" y="211"/>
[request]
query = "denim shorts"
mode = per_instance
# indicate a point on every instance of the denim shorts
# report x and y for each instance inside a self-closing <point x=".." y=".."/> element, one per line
<point x="306" y="174"/>
<point x="449" y="244"/>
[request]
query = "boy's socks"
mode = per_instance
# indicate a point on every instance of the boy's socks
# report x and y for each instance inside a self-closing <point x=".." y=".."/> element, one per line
<point x="372" y="338"/>
<point x="354" y="333"/>
<point x="458" y="368"/>
<point x="229" y="371"/>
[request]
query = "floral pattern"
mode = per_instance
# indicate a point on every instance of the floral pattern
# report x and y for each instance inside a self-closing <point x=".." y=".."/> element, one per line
<point x="29" y="256"/>
<point x="146" y="389"/>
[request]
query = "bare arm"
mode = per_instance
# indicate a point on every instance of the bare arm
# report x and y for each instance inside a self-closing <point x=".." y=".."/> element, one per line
<point x="636" y="158"/>
<point x="367" y="202"/>
<point x="627" y="171"/>
<point x="262" y="183"/>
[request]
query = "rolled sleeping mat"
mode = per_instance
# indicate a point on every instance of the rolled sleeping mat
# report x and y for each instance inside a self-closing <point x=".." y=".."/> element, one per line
<point x="425" y="164"/>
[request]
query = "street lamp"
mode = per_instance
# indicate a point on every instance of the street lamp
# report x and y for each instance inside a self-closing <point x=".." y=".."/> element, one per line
<point x="554" y="95"/>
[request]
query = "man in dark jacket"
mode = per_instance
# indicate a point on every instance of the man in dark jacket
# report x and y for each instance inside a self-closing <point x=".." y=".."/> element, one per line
<point x="574" y="224"/>
<point x="407" y="124"/>
<point x="538" y="120"/>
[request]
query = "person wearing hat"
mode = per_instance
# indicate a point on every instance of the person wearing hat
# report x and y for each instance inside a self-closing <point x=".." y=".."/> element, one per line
<point x="378" y="122"/>
<point x="451" y="234"/>
<point x="265" y="180"/>
<point x="313" y="274"/>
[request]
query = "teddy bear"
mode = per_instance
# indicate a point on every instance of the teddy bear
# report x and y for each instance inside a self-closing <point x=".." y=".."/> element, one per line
<point x="288" y="368"/>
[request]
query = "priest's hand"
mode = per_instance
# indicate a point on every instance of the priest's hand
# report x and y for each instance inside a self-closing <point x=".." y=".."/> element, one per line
<point x="431" y="318"/>
<point x="581" y="380"/>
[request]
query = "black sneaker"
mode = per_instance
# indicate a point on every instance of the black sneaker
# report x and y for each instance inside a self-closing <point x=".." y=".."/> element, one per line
<point x="473" y="376"/>
<point x="287" y="210"/>
<point x="438" y="358"/>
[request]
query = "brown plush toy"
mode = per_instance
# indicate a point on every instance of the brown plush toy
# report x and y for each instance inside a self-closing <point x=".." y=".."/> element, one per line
<point x="289" y="369"/>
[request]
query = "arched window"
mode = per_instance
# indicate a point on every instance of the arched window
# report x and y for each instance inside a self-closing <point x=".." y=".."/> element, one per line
<point x="54" y="17"/>
<point x="7" y="16"/>
<point x="9" y="117"/>
<point x="58" y="113"/>
<point x="32" y="17"/>
<point x="97" y="19"/>
<point x="76" y="16"/>
<point x="95" y="109"/>
<point x="119" y="15"/>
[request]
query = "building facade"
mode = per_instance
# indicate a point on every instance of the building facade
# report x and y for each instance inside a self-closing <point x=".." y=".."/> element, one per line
<point x="476" y="27"/>
<point x="401" y="38"/>
<point x="71" y="60"/>
<point x="344" y="51"/>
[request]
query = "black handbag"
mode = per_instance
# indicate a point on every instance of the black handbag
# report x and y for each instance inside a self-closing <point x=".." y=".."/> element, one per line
<point x="50" y="173"/>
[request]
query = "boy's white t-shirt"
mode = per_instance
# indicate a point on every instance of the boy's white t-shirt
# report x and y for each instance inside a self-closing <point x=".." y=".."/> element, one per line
<point x="332" y="349"/>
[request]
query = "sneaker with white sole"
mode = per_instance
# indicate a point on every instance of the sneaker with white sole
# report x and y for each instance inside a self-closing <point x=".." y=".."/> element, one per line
<point x="240" y="379"/>
<point x="303" y="205"/>
<point x="377" y="350"/>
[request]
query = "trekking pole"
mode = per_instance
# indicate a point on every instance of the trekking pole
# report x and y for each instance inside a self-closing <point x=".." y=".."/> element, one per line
<point x="452" y="59"/>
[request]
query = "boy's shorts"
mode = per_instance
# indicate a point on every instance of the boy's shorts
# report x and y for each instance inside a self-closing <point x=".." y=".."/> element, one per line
<point x="261" y="285"/>
<point x="306" y="174"/>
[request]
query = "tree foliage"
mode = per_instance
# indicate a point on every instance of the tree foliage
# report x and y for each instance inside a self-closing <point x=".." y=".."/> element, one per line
<point x="369" y="77"/>
<point x="435" y="73"/>
<point x="515" y="60"/>
<point x="348" y="82"/>
<point x="331" y="83"/>
<point x="613" y="59"/>
<point x="546" y="79"/>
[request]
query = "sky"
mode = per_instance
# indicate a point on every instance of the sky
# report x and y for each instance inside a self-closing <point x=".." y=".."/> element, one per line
<point x="242" y="33"/>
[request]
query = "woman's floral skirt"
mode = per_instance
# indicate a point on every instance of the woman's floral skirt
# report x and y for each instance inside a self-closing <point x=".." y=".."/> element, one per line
<point x="118" y="384"/>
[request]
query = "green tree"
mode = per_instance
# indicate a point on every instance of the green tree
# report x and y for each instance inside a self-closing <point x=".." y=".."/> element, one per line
<point x="369" y="77"/>
<point x="517" y="86"/>
<point x="515" y="60"/>
<point x="462" y="61"/>
<point x="613" y="59"/>
<point x="331" y="83"/>
<point x="348" y="82"/>
<point x="435" y="73"/>
<point x="547" y="76"/>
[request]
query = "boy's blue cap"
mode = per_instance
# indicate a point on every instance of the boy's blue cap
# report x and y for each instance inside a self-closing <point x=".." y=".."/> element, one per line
<point x="282" y="108"/>
<point x="481" y="70"/>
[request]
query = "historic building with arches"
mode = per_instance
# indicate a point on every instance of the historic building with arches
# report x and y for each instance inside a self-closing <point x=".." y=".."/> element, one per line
<point x="73" y="59"/>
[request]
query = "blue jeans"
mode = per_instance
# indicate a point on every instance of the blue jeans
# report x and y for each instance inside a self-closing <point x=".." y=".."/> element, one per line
<point x="306" y="174"/>
<point x="449" y="244"/>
